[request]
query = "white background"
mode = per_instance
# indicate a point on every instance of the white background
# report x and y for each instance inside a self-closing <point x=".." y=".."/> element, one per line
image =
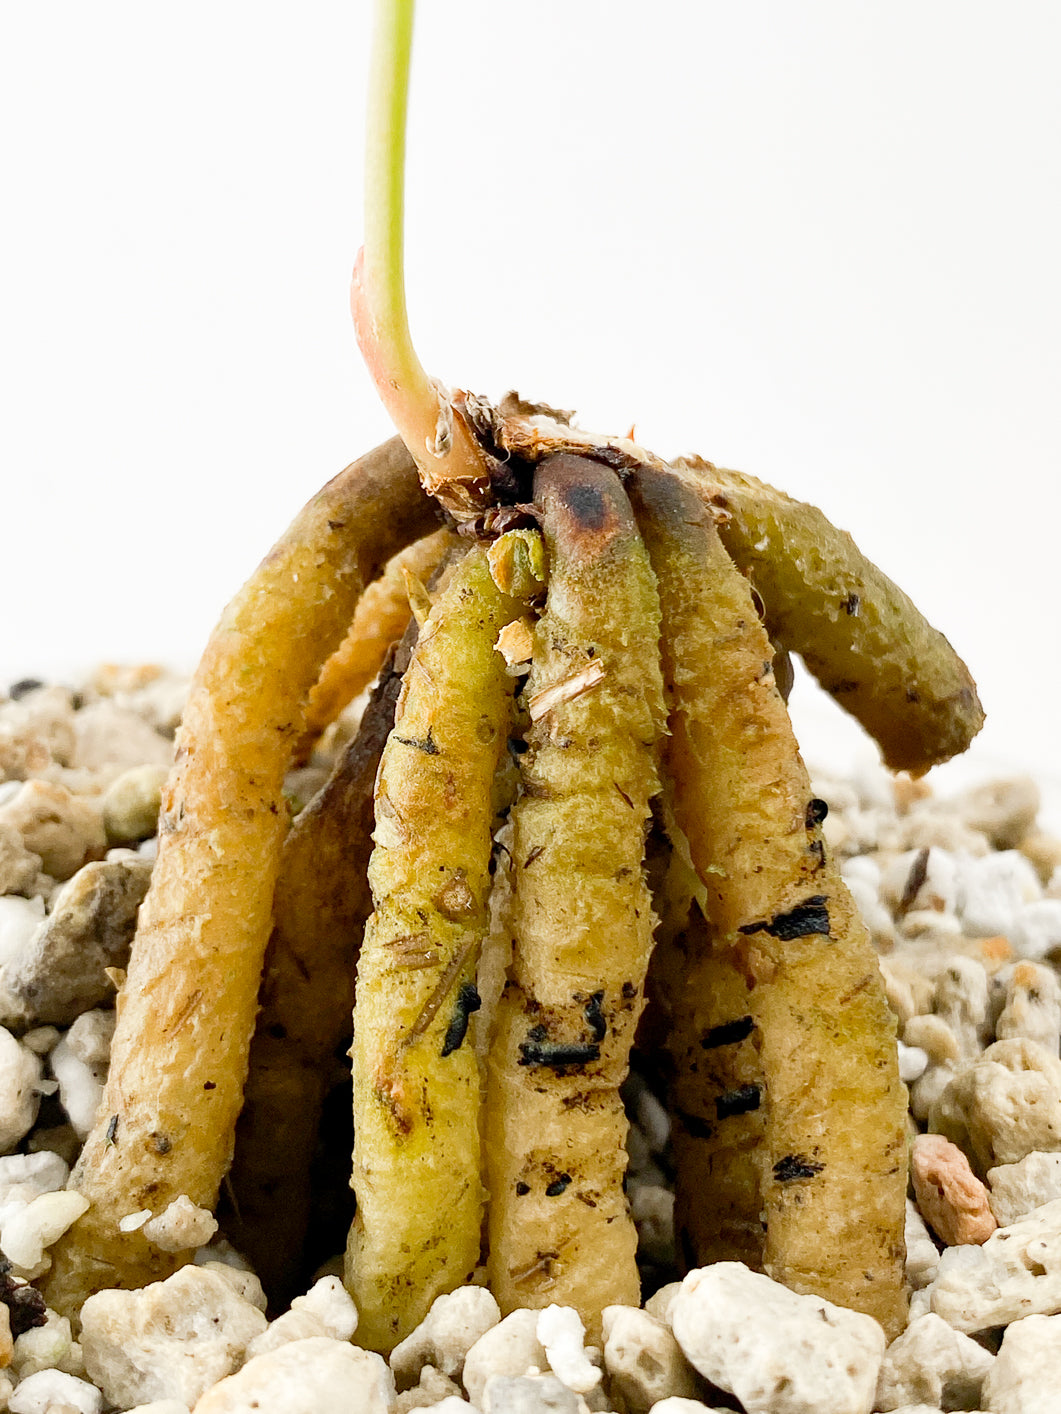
<point x="818" y="241"/>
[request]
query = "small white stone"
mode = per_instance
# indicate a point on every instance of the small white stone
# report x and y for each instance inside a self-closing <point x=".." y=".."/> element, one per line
<point x="38" y="1173"/>
<point x="456" y="1322"/>
<point x="1015" y="1273"/>
<point x="934" y="1364"/>
<point x="172" y="1340"/>
<point x="40" y="1393"/>
<point x="133" y="1222"/>
<point x="41" y="1039"/>
<point x="1032" y="1007"/>
<point x="111" y="739"/>
<point x="913" y="1062"/>
<point x="26" y="1236"/>
<point x="80" y="1086"/>
<point x="644" y="1361"/>
<point x="47" y="1347"/>
<point x="1036" y="929"/>
<point x="1018" y="1189"/>
<point x="1026" y="1376"/>
<point x="563" y="1335"/>
<point x="315" y="1376"/>
<point x="528" y="1394"/>
<point x="181" y="1227"/>
<point x="961" y="1000"/>
<point x="64" y="829"/>
<point x="433" y="1388"/>
<point x="20" y="918"/>
<point x="20" y="1077"/>
<point x="326" y="1309"/>
<point x="510" y="1348"/>
<point x="777" y="1351"/>
<point x="1003" y="1106"/>
<point x="661" y="1303"/>
<point x="238" y="1275"/>
<point x="922" y="1255"/>
<point x="89" y="1038"/>
<point x="992" y="891"/>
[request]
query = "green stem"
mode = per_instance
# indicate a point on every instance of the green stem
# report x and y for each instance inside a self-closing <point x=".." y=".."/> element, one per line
<point x="450" y="461"/>
<point x="382" y="274"/>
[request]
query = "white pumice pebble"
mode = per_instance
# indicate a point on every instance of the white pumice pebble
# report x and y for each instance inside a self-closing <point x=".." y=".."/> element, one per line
<point x="41" y="1039"/>
<point x="992" y="890"/>
<point x="20" y="919"/>
<point x="661" y="1303"/>
<point x="934" y="1364"/>
<point x="1018" y="1189"/>
<point x="1004" y="810"/>
<point x="561" y="1332"/>
<point x="315" y="1376"/>
<point x="1004" y="1105"/>
<point x="237" y="1275"/>
<point x="326" y="1309"/>
<point x="1015" y="1273"/>
<point x="64" y="829"/>
<point x="80" y="1086"/>
<point x="644" y="1361"/>
<point x="43" y="1172"/>
<point x="510" y="1348"/>
<point x="455" y="1322"/>
<point x="1036" y="930"/>
<point x="47" y="1347"/>
<point x="922" y="1255"/>
<point x="913" y="1062"/>
<point x="35" y="1227"/>
<point x="777" y="1351"/>
<point x="112" y="739"/>
<point x="42" y="1392"/>
<point x="133" y="1222"/>
<point x="181" y="1227"/>
<point x="20" y="1077"/>
<point x="1026" y="1376"/>
<point x="528" y="1394"/>
<point x="173" y="1339"/>
<point x="432" y="1388"/>
<point x="1032" y="1006"/>
<point x="961" y="1001"/>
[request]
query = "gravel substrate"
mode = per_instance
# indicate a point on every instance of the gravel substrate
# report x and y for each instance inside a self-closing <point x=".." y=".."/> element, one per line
<point x="963" y="899"/>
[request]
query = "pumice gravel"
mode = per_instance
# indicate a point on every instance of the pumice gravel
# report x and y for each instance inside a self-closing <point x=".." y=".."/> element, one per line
<point x="963" y="900"/>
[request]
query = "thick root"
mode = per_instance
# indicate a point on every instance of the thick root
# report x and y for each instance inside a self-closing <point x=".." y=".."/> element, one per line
<point x="834" y="1172"/>
<point x="582" y="917"/>
<point x="186" y="1012"/>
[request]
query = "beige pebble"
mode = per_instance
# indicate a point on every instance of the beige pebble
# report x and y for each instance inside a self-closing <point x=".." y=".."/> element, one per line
<point x="1044" y="852"/>
<point x="7" y="1345"/>
<point x="64" y="829"/>
<point x="131" y="803"/>
<point x="951" y="1198"/>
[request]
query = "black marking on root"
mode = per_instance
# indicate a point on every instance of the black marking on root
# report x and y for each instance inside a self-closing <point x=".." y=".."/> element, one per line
<point x="729" y="1033"/>
<point x="429" y="746"/>
<point x="468" y="1000"/>
<point x="587" y="506"/>
<point x="738" y="1102"/>
<point x="803" y="921"/>
<point x="816" y="812"/>
<point x="558" y="1186"/>
<point x="796" y="1166"/>
<point x="557" y="1054"/>
<point x="594" y="1015"/>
